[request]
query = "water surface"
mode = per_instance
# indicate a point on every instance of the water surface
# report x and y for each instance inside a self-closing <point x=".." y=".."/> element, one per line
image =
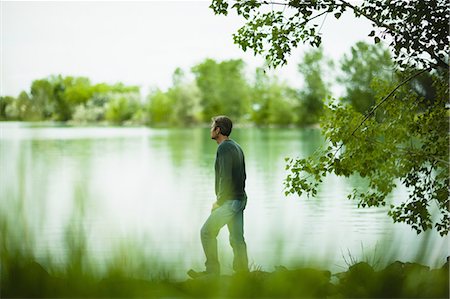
<point x="151" y="190"/>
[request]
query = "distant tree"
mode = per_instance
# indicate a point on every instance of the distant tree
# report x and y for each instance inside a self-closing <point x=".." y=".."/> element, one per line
<point x="42" y="95"/>
<point x="26" y="109"/>
<point x="311" y="97"/>
<point x="178" y="77"/>
<point x="58" y="98"/>
<point x="159" y="108"/>
<point x="77" y="90"/>
<point x="62" y="106"/>
<point x="281" y="105"/>
<point x="4" y="103"/>
<point x="50" y="96"/>
<point x="260" y="98"/>
<point x="272" y="101"/>
<point x="223" y="87"/>
<point x="185" y="99"/>
<point x="364" y="64"/>
<point x="90" y="112"/>
<point x="122" y="107"/>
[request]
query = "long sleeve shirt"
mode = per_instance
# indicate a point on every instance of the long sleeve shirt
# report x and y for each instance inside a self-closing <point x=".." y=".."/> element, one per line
<point x="230" y="172"/>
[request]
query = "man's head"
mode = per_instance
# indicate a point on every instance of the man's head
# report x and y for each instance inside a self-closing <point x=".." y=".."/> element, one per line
<point x="221" y="125"/>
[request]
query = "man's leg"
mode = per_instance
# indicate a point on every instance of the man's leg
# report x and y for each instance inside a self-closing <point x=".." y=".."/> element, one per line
<point x="218" y="219"/>
<point x="237" y="241"/>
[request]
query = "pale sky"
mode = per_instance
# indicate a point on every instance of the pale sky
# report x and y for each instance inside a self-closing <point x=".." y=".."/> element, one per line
<point x="137" y="43"/>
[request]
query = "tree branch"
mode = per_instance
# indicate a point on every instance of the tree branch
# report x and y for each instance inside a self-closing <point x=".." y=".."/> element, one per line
<point x="378" y="23"/>
<point x="275" y="3"/>
<point x="440" y="62"/>
<point x="372" y="111"/>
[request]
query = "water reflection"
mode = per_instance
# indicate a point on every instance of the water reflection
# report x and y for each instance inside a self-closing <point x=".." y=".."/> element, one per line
<point x="73" y="193"/>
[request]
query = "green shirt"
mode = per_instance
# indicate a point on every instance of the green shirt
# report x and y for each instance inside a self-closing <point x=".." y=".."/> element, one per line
<point x="230" y="172"/>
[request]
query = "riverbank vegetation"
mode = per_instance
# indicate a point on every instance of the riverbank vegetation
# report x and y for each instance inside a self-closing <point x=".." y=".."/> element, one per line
<point x="398" y="280"/>
<point x="209" y="88"/>
<point x="130" y="273"/>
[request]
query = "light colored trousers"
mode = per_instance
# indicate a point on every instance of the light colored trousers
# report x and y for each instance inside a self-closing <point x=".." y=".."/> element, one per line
<point x="231" y="213"/>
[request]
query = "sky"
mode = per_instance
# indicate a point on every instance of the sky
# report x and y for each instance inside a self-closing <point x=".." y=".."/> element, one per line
<point x="136" y="43"/>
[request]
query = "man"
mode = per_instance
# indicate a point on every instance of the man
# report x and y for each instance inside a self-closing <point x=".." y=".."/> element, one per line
<point x="230" y="204"/>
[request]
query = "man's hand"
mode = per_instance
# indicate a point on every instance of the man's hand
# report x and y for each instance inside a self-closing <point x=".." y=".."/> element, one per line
<point x="214" y="206"/>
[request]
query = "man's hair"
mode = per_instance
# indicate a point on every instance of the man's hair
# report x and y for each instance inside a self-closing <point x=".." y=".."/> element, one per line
<point x="224" y="123"/>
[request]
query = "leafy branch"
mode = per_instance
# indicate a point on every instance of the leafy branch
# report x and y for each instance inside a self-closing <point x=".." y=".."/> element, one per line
<point x="372" y="111"/>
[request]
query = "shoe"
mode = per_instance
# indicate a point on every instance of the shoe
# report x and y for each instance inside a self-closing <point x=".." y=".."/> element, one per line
<point x="194" y="274"/>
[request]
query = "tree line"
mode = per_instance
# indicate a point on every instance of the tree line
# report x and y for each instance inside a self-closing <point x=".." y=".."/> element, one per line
<point x="218" y="87"/>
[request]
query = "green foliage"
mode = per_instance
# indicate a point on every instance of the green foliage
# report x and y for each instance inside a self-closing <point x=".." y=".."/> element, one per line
<point x="273" y="29"/>
<point x="312" y="95"/>
<point x="42" y="95"/>
<point x="91" y="112"/>
<point x="121" y="108"/>
<point x="56" y="96"/>
<point x="185" y="99"/>
<point x="4" y="103"/>
<point x="179" y="106"/>
<point x="397" y="280"/>
<point x="18" y="109"/>
<point x="72" y="99"/>
<point x="272" y="101"/>
<point x="366" y="63"/>
<point x="223" y="87"/>
<point x="159" y="108"/>
<point x="423" y="86"/>
<point x="410" y="147"/>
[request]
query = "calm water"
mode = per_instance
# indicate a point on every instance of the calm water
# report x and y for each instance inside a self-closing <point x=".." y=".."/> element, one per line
<point x="150" y="190"/>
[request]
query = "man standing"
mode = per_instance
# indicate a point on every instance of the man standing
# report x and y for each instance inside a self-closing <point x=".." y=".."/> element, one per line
<point x="230" y="204"/>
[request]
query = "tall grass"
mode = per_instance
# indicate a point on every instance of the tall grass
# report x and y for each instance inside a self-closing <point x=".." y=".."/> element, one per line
<point x="130" y="271"/>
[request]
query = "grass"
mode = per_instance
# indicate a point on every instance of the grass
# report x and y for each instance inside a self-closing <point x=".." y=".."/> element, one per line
<point x="130" y="273"/>
<point x="27" y="278"/>
<point x="369" y="257"/>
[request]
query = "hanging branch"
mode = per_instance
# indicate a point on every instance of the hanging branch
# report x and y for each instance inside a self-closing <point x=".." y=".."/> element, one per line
<point x="372" y="111"/>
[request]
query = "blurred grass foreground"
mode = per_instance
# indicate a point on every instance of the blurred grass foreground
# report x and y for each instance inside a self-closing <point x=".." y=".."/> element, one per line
<point x="132" y="275"/>
<point x="27" y="278"/>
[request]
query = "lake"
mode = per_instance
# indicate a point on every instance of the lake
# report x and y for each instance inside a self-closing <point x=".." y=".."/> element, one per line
<point x="146" y="192"/>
